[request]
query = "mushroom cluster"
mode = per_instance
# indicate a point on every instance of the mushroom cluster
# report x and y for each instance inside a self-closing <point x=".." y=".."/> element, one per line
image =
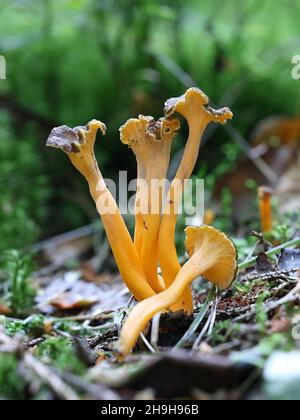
<point x="212" y="254"/>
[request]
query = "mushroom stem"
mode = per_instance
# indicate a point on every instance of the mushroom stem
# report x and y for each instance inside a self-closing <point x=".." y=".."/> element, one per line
<point x="78" y="143"/>
<point x="145" y="310"/>
<point x="151" y="143"/>
<point x="212" y="255"/>
<point x="265" y="206"/>
<point x="194" y="107"/>
<point x="209" y="217"/>
<point x="167" y="252"/>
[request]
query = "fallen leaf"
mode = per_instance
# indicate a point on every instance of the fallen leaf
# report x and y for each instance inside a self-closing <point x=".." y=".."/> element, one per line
<point x="4" y="310"/>
<point x="263" y="264"/>
<point x="279" y="326"/>
<point x="59" y="254"/>
<point x="68" y="301"/>
<point x="68" y="291"/>
<point x="89" y="274"/>
<point x="289" y="259"/>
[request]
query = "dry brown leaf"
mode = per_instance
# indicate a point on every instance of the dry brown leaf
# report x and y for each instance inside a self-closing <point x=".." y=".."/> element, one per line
<point x="4" y="310"/>
<point x="68" y="301"/>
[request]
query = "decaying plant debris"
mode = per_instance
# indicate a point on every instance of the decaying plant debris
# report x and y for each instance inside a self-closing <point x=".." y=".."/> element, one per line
<point x="77" y="334"/>
<point x="75" y="344"/>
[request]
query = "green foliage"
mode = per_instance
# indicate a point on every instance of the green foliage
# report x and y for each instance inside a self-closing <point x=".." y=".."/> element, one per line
<point x="12" y="385"/>
<point x="224" y="331"/>
<point x="59" y="352"/>
<point x="17" y="289"/>
<point x="243" y="287"/>
<point x="261" y="315"/>
<point x="281" y="233"/>
<point x="245" y="246"/>
<point x="23" y="189"/>
<point x="224" y="220"/>
<point x="275" y="342"/>
<point x="71" y="61"/>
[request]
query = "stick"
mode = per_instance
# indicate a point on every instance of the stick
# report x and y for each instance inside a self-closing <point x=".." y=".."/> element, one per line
<point x="289" y="298"/>
<point x="61" y="389"/>
<point x="293" y="243"/>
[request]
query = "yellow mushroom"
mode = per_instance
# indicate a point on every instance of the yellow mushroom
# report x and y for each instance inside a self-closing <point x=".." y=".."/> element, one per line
<point x="265" y="206"/>
<point x="194" y="107"/>
<point x="209" y="217"/>
<point x="212" y="255"/>
<point x="78" y="144"/>
<point x="151" y="143"/>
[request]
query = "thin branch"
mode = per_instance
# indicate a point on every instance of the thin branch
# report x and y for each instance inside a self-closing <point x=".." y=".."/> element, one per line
<point x="197" y="321"/>
<point x="155" y="331"/>
<point x="208" y="327"/>
<point x="47" y="375"/>
<point x="293" y="243"/>
<point x="61" y="389"/>
<point x="291" y="297"/>
<point x="147" y="344"/>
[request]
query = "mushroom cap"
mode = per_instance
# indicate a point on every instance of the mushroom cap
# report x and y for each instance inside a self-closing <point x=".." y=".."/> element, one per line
<point x="70" y="140"/>
<point x="216" y="245"/>
<point x="135" y="130"/>
<point x="264" y="192"/>
<point x="193" y="102"/>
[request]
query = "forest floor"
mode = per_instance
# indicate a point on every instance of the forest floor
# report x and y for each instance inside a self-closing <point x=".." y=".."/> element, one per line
<point x="59" y="343"/>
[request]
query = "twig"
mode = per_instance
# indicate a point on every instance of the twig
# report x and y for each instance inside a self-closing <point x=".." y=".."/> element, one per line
<point x="292" y="296"/>
<point x="97" y="391"/>
<point x="274" y="274"/>
<point x="214" y="316"/>
<point x="147" y="344"/>
<point x="251" y="253"/>
<point x="263" y="167"/>
<point x="202" y="334"/>
<point x="47" y="376"/>
<point x="65" y="237"/>
<point x="155" y="331"/>
<point x="96" y="317"/>
<point x="61" y="389"/>
<point x="293" y="243"/>
<point x="197" y="321"/>
<point x="209" y="324"/>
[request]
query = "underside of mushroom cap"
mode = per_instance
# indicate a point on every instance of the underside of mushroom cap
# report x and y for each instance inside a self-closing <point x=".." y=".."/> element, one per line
<point x="211" y="243"/>
<point x="70" y="140"/>
<point x="193" y="102"/>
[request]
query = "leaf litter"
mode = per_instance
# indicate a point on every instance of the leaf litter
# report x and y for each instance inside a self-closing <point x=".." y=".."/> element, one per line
<point x="76" y="316"/>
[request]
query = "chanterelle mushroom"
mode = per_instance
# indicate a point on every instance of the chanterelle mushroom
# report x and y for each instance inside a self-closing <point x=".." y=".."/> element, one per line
<point x="212" y="255"/>
<point x="151" y="143"/>
<point x="265" y="206"/>
<point x="78" y="143"/>
<point x="194" y="107"/>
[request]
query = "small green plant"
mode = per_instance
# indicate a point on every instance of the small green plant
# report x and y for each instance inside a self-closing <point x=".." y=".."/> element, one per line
<point x="23" y="186"/>
<point x="59" y="352"/>
<point x="12" y="385"/>
<point x="17" y="290"/>
<point x="224" y="331"/>
<point x="261" y="314"/>
<point x="280" y="233"/>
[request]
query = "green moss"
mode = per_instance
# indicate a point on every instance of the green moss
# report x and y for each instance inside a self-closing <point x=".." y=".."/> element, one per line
<point x="59" y="352"/>
<point x="17" y="288"/>
<point x="12" y="385"/>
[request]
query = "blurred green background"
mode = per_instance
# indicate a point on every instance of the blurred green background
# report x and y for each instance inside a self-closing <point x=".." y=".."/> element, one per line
<point x="69" y="61"/>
